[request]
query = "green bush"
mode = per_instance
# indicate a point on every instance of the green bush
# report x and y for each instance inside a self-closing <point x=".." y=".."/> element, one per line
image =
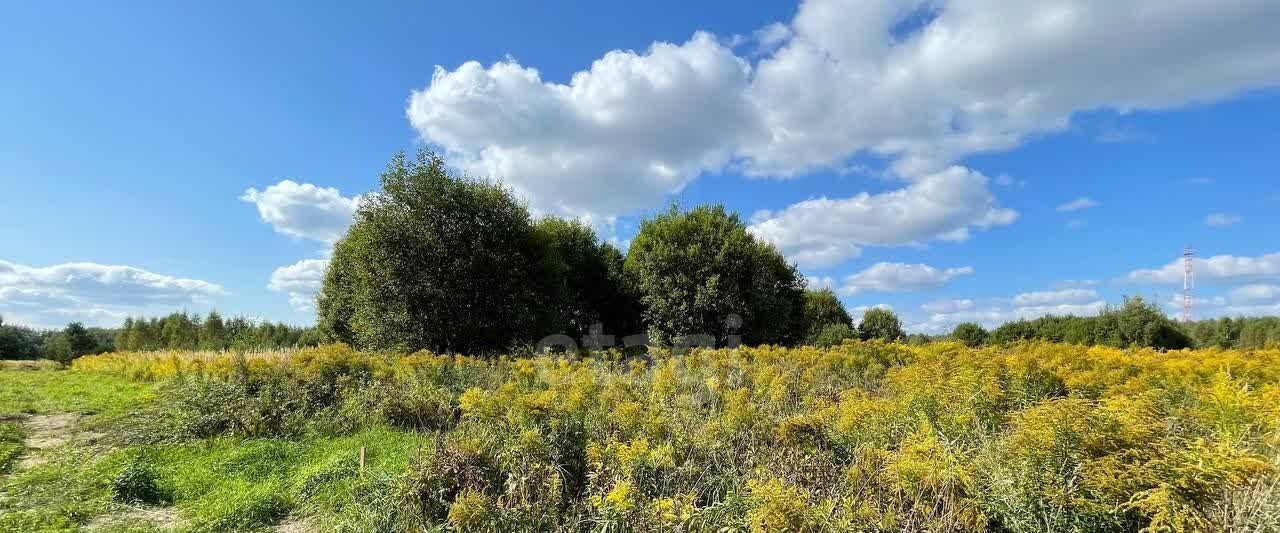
<point x="970" y="333"/>
<point x="136" y="483"/>
<point x="833" y="335"/>
<point x="822" y="308"/>
<point x="701" y="272"/>
<point x="880" y="324"/>
<point x="434" y="261"/>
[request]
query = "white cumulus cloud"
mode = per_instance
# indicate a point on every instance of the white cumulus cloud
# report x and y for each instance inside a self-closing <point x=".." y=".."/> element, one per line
<point x="942" y="318"/>
<point x="825" y="231"/>
<point x="617" y="138"/>
<point x="96" y="294"/>
<point x="1216" y="269"/>
<point x="894" y="277"/>
<point x="300" y="281"/>
<point x="835" y="82"/>
<point x="304" y="210"/>
<point x="1057" y="297"/>
<point x="1254" y="294"/>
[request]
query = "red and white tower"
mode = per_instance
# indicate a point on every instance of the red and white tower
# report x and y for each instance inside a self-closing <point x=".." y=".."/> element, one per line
<point x="1188" y="281"/>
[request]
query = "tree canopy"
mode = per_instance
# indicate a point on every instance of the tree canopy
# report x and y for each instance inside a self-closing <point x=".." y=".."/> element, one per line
<point x="701" y="272"/>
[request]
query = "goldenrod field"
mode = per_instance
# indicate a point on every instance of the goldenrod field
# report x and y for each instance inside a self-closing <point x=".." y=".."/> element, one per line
<point x="861" y="437"/>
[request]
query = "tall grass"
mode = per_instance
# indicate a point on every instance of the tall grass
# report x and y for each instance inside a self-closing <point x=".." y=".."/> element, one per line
<point x="858" y="437"/>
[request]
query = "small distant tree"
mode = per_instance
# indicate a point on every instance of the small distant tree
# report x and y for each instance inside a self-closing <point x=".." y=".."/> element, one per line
<point x="79" y="340"/>
<point x="18" y="342"/>
<point x="970" y="333"/>
<point x="213" y="332"/>
<point x="1144" y="324"/>
<point x="822" y="308"/>
<point x="880" y="324"/>
<point x="833" y="335"/>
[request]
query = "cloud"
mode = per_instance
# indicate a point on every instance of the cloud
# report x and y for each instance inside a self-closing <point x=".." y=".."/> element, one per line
<point x="1216" y="269"/>
<point x="942" y="206"/>
<point x="1076" y="283"/>
<point x="617" y="138"/>
<point x="1058" y="297"/>
<point x="1083" y="202"/>
<point x="842" y="80"/>
<point x="948" y="306"/>
<point x="301" y="281"/>
<point x="895" y="277"/>
<point x="1218" y="220"/>
<point x="304" y="210"/>
<point x="943" y="317"/>
<point x="1254" y="294"/>
<point x="96" y="294"/>
<point x="984" y="75"/>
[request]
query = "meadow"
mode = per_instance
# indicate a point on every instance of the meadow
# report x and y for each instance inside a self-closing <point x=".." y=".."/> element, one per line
<point x="864" y="436"/>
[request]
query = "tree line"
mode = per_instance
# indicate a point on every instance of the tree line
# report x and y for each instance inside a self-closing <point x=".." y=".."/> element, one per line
<point x="21" y="342"/>
<point x="176" y="331"/>
<point x="1136" y="323"/>
<point x="183" y="331"/>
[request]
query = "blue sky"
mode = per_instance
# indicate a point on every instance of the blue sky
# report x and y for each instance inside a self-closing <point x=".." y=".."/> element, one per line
<point x="954" y="160"/>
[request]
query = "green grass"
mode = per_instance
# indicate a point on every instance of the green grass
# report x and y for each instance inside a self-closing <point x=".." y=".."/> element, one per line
<point x="219" y="484"/>
<point x="11" y="436"/>
<point x="62" y="391"/>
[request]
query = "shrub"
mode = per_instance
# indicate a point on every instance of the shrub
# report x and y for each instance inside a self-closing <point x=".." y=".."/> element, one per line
<point x="833" y="335"/>
<point x="701" y="272"/>
<point x="136" y="483"/>
<point x="880" y="324"/>
<point x="970" y="333"/>
<point x="822" y="309"/>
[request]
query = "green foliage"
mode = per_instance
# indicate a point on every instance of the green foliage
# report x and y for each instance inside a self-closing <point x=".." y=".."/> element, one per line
<point x="136" y="483"/>
<point x="822" y="309"/>
<point x="1135" y="323"/>
<point x="585" y="281"/>
<point x="971" y="334"/>
<point x="695" y="271"/>
<point x="833" y="335"/>
<point x="183" y="331"/>
<point x="1239" y="332"/>
<point x="863" y="436"/>
<point x="17" y="342"/>
<point x="434" y="261"/>
<point x="11" y="436"/>
<point x="880" y="324"/>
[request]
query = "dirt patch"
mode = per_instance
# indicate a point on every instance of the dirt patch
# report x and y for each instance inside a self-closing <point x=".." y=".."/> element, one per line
<point x="162" y="518"/>
<point x="43" y="433"/>
<point x="293" y="525"/>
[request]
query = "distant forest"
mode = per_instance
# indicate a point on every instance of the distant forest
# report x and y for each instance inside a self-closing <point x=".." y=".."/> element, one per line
<point x="1134" y="324"/>
<point x="177" y="331"/>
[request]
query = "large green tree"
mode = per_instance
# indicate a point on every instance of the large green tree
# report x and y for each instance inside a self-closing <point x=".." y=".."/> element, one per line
<point x="435" y="261"/>
<point x="701" y="272"/>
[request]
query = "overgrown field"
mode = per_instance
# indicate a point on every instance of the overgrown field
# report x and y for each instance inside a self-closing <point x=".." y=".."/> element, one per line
<point x="860" y="437"/>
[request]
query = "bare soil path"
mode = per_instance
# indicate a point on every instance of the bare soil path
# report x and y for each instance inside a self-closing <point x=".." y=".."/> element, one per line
<point x="45" y="432"/>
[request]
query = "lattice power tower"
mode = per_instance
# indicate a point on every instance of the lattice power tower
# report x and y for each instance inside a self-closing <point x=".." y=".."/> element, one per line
<point x="1188" y="282"/>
